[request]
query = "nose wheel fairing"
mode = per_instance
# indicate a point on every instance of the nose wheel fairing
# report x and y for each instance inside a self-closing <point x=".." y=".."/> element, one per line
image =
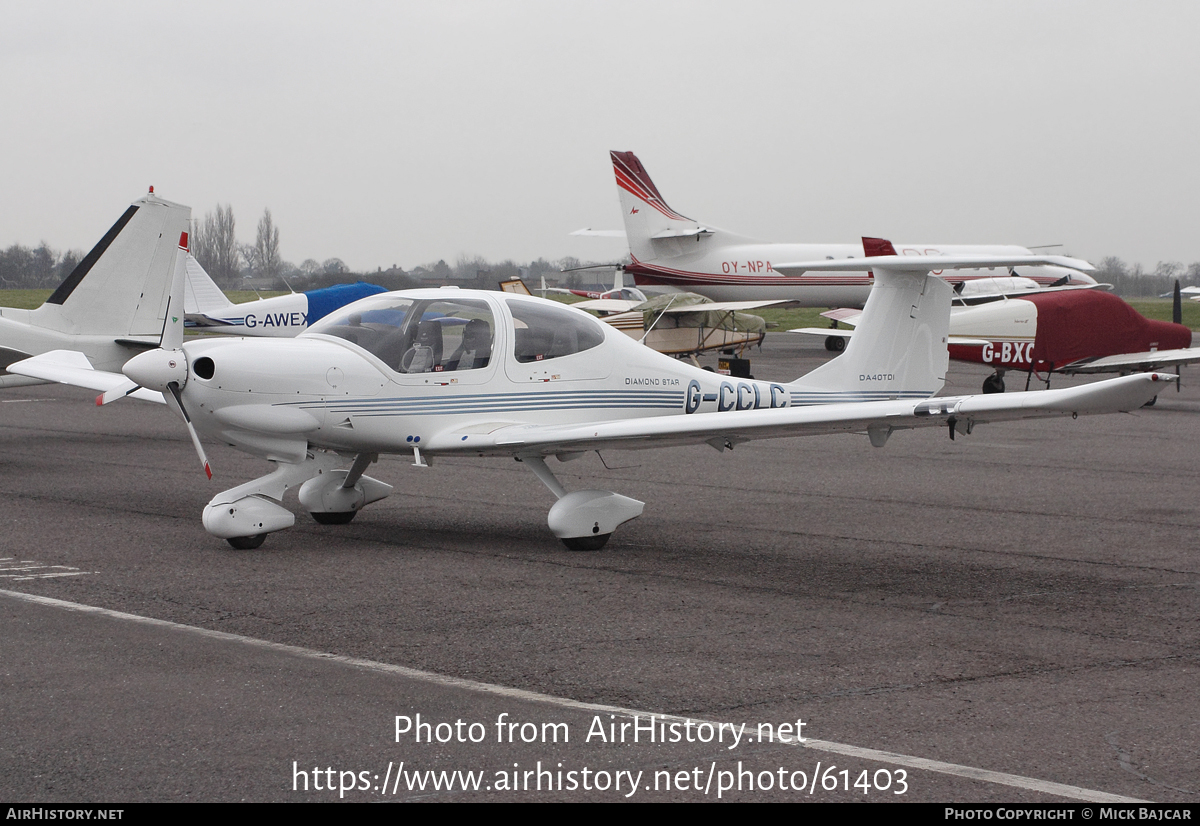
<point x="584" y="519"/>
<point x="244" y="514"/>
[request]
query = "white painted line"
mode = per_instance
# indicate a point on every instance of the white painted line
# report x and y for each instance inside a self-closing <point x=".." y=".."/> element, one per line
<point x="982" y="775"/>
<point x="15" y="578"/>
<point x="30" y="564"/>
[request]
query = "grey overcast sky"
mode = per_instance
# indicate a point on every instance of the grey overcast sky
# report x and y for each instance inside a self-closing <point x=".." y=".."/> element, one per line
<point x="397" y="132"/>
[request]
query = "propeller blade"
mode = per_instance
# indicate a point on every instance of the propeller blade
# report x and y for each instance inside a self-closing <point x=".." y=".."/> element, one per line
<point x="118" y="392"/>
<point x="175" y="395"/>
<point x="1177" y="305"/>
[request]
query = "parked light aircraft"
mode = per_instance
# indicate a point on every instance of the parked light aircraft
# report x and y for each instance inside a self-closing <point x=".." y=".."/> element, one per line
<point x="671" y="249"/>
<point x="1066" y="330"/>
<point x="207" y="309"/>
<point x="446" y="372"/>
<point x="678" y="324"/>
<point x="112" y="305"/>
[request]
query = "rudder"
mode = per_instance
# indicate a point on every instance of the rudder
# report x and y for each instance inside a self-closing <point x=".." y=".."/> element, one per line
<point x="121" y="286"/>
<point x="898" y="350"/>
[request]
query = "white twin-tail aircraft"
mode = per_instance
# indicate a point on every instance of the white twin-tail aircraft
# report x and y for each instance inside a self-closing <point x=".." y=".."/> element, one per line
<point x="448" y="372"/>
<point x="670" y="249"/>
<point x="113" y="304"/>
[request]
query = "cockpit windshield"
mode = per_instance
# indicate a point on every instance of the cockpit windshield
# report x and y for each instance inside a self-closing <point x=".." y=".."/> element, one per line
<point x="430" y="335"/>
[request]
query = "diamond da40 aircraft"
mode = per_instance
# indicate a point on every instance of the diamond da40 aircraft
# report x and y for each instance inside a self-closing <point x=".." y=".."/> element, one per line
<point x="444" y="372"/>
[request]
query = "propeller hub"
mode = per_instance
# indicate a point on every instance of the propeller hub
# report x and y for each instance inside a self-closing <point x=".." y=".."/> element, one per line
<point x="155" y="369"/>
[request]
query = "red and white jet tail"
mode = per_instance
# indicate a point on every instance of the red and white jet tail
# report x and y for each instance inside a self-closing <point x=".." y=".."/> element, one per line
<point x="653" y="229"/>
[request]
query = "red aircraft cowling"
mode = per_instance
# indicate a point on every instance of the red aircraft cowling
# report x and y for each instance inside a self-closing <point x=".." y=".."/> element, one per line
<point x="1089" y="324"/>
<point x="1073" y="325"/>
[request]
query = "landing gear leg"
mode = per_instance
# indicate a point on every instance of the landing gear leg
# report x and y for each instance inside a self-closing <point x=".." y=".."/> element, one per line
<point x="334" y="497"/>
<point x="585" y="519"/>
<point x="246" y="514"/>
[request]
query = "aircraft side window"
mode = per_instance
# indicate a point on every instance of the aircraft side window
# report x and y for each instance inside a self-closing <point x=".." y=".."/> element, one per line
<point x="424" y="336"/>
<point x="449" y="335"/>
<point x="544" y="331"/>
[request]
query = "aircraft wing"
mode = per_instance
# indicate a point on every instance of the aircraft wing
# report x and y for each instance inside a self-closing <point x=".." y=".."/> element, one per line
<point x="846" y="315"/>
<point x="600" y="233"/>
<point x="927" y="263"/>
<point x="620" y="305"/>
<point x="725" y="306"/>
<point x="826" y="332"/>
<point x="843" y="315"/>
<point x="72" y="367"/>
<point x="1153" y="360"/>
<point x="878" y="419"/>
<point x="607" y="305"/>
<point x="823" y="332"/>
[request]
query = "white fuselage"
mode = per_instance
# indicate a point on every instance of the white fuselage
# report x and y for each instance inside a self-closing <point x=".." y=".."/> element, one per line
<point x="745" y="271"/>
<point x="275" y="398"/>
<point x="283" y="316"/>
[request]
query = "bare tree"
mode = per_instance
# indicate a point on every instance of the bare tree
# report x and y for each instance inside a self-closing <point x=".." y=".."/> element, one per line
<point x="249" y="254"/>
<point x="266" y="247"/>
<point x="214" y="243"/>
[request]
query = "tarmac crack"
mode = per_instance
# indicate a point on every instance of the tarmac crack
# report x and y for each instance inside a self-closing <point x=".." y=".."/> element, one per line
<point x="1125" y="760"/>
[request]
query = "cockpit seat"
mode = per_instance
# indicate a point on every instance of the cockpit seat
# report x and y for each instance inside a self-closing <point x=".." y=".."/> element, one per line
<point x="476" y="347"/>
<point x="426" y="351"/>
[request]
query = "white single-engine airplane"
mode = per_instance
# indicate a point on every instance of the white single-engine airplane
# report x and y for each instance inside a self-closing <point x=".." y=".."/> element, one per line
<point x="207" y="309"/>
<point x="670" y="249"/>
<point x="445" y="372"/>
<point x="112" y="305"/>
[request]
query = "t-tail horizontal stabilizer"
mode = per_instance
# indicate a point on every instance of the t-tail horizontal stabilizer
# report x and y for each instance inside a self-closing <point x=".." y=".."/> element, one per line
<point x="899" y="348"/>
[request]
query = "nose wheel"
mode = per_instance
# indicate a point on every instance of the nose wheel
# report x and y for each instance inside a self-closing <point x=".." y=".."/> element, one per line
<point x="333" y="517"/>
<point x="586" y="543"/>
<point x="247" y="543"/>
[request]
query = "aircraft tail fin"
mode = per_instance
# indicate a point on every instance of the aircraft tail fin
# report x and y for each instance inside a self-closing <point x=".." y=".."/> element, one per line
<point x="200" y="293"/>
<point x="899" y="348"/>
<point x="122" y="286"/>
<point x="653" y="229"/>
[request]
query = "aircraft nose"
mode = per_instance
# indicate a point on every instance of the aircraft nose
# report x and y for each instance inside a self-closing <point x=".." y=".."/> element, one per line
<point x="155" y="369"/>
